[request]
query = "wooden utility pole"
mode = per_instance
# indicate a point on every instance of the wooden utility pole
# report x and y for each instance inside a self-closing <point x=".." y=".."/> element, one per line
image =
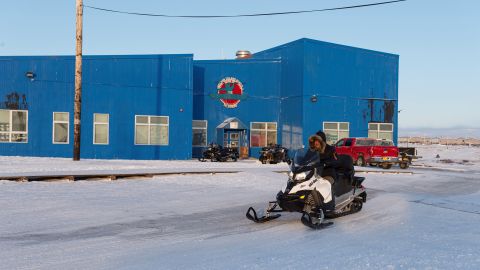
<point x="78" y="83"/>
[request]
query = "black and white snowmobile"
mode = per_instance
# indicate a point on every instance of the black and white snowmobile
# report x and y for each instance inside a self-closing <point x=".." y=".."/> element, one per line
<point x="313" y="196"/>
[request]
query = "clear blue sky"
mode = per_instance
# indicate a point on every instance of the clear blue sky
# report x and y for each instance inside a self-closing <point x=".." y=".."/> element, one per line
<point x="438" y="41"/>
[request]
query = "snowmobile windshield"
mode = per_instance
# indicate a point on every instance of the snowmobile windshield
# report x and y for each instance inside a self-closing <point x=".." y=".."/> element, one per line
<point x="305" y="160"/>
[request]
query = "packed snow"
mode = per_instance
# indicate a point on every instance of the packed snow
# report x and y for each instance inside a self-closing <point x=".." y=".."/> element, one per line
<point x="425" y="217"/>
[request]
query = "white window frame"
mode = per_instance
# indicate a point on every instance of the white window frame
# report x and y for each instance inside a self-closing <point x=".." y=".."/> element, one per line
<point x="10" y="132"/>
<point x="378" y="131"/>
<point x="61" y="122"/>
<point x="266" y="129"/>
<point x="201" y="128"/>
<point x="101" y="123"/>
<point x="337" y="130"/>
<point x="149" y="125"/>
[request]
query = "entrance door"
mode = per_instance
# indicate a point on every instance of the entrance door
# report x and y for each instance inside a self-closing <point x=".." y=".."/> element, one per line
<point x="238" y="139"/>
<point x="231" y="138"/>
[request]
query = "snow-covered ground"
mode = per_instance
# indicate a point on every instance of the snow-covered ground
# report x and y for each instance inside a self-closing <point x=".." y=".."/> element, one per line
<point x="425" y="220"/>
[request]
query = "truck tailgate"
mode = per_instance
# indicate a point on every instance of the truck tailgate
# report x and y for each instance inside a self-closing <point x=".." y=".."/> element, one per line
<point x="384" y="151"/>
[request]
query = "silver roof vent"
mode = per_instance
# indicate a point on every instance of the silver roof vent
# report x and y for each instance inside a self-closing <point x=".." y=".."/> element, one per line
<point x="243" y="54"/>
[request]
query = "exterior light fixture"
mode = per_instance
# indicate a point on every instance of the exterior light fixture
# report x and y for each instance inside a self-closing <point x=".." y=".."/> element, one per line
<point x="181" y="109"/>
<point x="30" y="75"/>
<point x="313" y="98"/>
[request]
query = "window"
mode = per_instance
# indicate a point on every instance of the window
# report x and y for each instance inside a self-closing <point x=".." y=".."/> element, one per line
<point x="380" y="131"/>
<point x="234" y="139"/>
<point x="199" y="132"/>
<point x="383" y="142"/>
<point x="335" y="131"/>
<point x="348" y="142"/>
<point x="340" y="143"/>
<point x="100" y="128"/>
<point x="151" y="130"/>
<point x="365" y="142"/>
<point x="263" y="134"/>
<point x="60" y="127"/>
<point x="13" y="126"/>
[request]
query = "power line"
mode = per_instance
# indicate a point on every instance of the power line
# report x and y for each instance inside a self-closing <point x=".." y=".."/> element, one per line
<point x="242" y="15"/>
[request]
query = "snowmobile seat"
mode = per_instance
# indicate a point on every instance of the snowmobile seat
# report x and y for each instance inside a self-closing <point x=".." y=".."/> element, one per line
<point x="345" y="165"/>
<point x="342" y="185"/>
<point x="357" y="181"/>
<point x="342" y="171"/>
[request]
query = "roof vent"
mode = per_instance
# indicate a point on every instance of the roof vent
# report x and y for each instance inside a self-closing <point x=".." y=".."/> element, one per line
<point x="243" y="54"/>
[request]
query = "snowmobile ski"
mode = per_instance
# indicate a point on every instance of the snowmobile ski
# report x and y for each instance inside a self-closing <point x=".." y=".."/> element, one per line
<point x="252" y="215"/>
<point x="314" y="222"/>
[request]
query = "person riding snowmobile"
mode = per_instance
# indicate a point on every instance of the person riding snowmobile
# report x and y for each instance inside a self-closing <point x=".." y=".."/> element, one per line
<point x="333" y="162"/>
<point x="314" y="196"/>
<point x="327" y="154"/>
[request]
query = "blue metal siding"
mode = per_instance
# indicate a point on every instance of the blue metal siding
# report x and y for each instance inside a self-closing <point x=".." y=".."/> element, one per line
<point x="122" y="86"/>
<point x="291" y="108"/>
<point x="352" y="85"/>
<point x="261" y="82"/>
<point x="48" y="92"/>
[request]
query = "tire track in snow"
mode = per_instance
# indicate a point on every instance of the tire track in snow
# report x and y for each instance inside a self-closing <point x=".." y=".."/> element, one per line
<point x="201" y="225"/>
<point x="476" y="212"/>
<point x="374" y="192"/>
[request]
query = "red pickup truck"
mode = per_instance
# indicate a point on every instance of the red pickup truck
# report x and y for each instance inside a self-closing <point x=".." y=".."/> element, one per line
<point x="369" y="151"/>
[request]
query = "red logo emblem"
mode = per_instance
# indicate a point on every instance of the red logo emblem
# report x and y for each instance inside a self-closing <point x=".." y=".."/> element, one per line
<point x="230" y="92"/>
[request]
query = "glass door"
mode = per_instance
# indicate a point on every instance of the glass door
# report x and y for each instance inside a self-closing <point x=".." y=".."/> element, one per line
<point x="234" y="140"/>
<point x="231" y="138"/>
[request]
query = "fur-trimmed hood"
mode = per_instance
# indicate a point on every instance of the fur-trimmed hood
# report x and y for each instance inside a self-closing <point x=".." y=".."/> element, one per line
<point x="311" y="145"/>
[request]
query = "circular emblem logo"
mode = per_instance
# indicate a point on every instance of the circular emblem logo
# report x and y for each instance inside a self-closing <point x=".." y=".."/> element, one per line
<point x="230" y="91"/>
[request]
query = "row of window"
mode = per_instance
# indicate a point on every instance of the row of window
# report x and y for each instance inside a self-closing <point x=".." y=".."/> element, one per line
<point x="153" y="130"/>
<point x="61" y="128"/>
<point x="265" y="133"/>
<point x="149" y="129"/>
<point x="337" y="130"/>
<point x="261" y="133"/>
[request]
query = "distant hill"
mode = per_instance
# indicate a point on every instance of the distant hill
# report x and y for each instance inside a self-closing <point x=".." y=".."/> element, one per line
<point x="435" y="140"/>
<point x="455" y="132"/>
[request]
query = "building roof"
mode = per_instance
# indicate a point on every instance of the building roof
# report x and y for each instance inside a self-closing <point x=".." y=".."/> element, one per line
<point x="319" y="42"/>
<point x="232" y="123"/>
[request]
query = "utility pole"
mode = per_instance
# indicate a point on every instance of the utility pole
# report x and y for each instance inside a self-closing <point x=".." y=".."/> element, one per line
<point x="78" y="83"/>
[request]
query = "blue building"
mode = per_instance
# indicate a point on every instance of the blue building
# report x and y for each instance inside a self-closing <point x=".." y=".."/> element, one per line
<point x="171" y="107"/>
<point x="293" y="90"/>
<point x="133" y="107"/>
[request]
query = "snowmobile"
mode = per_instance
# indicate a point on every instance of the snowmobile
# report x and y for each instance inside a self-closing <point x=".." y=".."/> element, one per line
<point x="216" y="152"/>
<point x="273" y="154"/>
<point x="312" y="195"/>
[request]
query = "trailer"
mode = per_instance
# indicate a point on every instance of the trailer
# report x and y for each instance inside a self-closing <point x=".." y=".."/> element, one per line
<point x="406" y="155"/>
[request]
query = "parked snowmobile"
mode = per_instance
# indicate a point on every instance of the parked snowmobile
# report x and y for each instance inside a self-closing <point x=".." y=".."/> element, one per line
<point x="313" y="196"/>
<point x="273" y="154"/>
<point x="216" y="152"/>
